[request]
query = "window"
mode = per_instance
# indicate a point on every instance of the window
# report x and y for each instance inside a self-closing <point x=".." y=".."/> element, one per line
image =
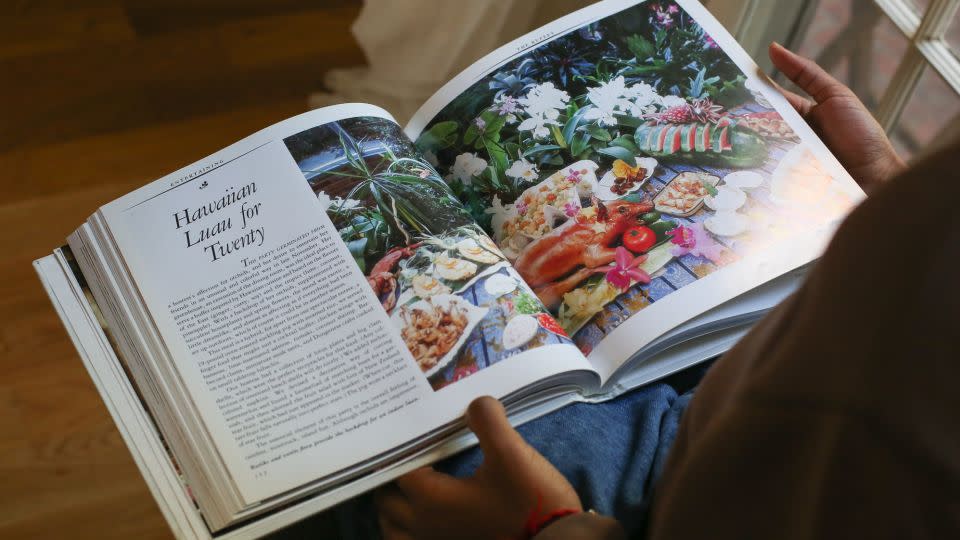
<point x="902" y="57"/>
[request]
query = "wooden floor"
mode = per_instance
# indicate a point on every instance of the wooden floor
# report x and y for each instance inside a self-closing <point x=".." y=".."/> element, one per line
<point x="95" y="101"/>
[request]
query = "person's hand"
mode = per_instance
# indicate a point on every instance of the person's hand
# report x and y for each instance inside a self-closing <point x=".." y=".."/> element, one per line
<point x="840" y="119"/>
<point x="494" y="503"/>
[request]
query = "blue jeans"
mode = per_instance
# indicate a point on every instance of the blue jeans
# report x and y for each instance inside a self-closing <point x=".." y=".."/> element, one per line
<point x="612" y="453"/>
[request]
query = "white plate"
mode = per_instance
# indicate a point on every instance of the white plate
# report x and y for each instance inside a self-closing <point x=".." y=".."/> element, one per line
<point x="474" y="315"/>
<point x="498" y="285"/>
<point x="727" y="223"/>
<point x="603" y="190"/>
<point x="493" y="268"/>
<point x="743" y="179"/>
<point x="519" y="331"/>
<point x="728" y="198"/>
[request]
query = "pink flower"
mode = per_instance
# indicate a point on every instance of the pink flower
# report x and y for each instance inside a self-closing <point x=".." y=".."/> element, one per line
<point x="574" y="176"/>
<point x="462" y="372"/>
<point x="623" y="272"/>
<point x="696" y="241"/>
<point x="673" y="9"/>
<point x="507" y="105"/>
<point x="709" y="43"/>
<point x="571" y="209"/>
<point x="664" y="16"/>
<point x="521" y="207"/>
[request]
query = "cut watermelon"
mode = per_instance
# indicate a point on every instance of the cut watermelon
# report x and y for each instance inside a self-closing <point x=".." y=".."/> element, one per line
<point x="688" y="136"/>
<point x="725" y="139"/>
<point x="676" y="139"/>
<point x="729" y="145"/>
<point x="661" y="138"/>
<point x="715" y="137"/>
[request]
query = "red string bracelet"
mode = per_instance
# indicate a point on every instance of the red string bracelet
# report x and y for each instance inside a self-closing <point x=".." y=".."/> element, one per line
<point x="536" y="521"/>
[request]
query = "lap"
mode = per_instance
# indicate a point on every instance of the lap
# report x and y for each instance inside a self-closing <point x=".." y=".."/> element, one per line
<point x="611" y="452"/>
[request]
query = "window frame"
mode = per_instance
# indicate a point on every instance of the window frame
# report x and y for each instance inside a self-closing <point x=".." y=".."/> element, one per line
<point x="927" y="48"/>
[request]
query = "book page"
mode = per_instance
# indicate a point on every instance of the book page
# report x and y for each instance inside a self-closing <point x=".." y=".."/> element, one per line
<point x="324" y="298"/>
<point x="635" y="167"/>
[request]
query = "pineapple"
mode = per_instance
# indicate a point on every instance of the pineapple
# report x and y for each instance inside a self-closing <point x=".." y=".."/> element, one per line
<point x="681" y="114"/>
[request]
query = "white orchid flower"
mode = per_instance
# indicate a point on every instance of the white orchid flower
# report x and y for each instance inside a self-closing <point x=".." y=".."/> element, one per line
<point x="608" y="99"/>
<point x="337" y="203"/>
<point x="324" y="200"/>
<point x="522" y="169"/>
<point x="538" y="125"/>
<point x="542" y="103"/>
<point x="500" y="213"/>
<point x="544" y="98"/>
<point x="671" y="100"/>
<point x="644" y="97"/>
<point x="466" y="166"/>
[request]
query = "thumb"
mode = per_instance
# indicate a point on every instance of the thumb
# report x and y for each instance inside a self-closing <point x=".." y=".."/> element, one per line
<point x="487" y="418"/>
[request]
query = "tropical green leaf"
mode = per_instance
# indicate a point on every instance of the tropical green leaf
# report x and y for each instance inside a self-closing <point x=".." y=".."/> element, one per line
<point x="494" y="177"/>
<point x="649" y="68"/>
<point x="626" y="120"/>
<point x="497" y="155"/>
<point x="357" y="248"/>
<point x="579" y="144"/>
<point x="494" y="122"/>
<point x="618" y="152"/>
<point x="659" y="37"/>
<point x="559" y="137"/>
<point x="471" y="134"/>
<point x="599" y="133"/>
<point x="540" y="148"/>
<point x="571" y="125"/>
<point x="441" y="135"/>
<point x="555" y="161"/>
<point x="640" y="47"/>
<point x="626" y="142"/>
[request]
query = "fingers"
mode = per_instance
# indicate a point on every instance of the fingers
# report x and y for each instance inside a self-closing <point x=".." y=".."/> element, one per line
<point x="487" y="418"/>
<point x="391" y="531"/>
<point x="394" y="513"/>
<point x="806" y="74"/>
<point x="801" y="104"/>
<point x="426" y="482"/>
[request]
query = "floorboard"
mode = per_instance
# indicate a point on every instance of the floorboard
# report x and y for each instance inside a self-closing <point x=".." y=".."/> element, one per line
<point x="99" y="98"/>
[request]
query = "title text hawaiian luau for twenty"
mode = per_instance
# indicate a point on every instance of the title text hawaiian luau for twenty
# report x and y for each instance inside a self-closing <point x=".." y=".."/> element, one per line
<point x="212" y="235"/>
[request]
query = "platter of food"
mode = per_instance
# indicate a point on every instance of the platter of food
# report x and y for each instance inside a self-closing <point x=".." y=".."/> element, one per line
<point x="435" y="329"/>
<point x="683" y="195"/>
<point x="545" y="205"/>
<point x="623" y="179"/>
<point x="768" y="124"/>
<point x="445" y="265"/>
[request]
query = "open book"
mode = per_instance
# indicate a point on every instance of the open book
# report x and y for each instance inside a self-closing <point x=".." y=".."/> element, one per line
<point x="305" y="314"/>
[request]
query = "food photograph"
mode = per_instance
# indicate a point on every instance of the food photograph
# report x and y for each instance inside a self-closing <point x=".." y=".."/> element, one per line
<point x="449" y="291"/>
<point x="619" y="163"/>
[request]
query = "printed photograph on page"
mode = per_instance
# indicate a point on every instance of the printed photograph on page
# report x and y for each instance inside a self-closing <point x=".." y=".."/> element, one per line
<point x="624" y="160"/>
<point x="450" y="292"/>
